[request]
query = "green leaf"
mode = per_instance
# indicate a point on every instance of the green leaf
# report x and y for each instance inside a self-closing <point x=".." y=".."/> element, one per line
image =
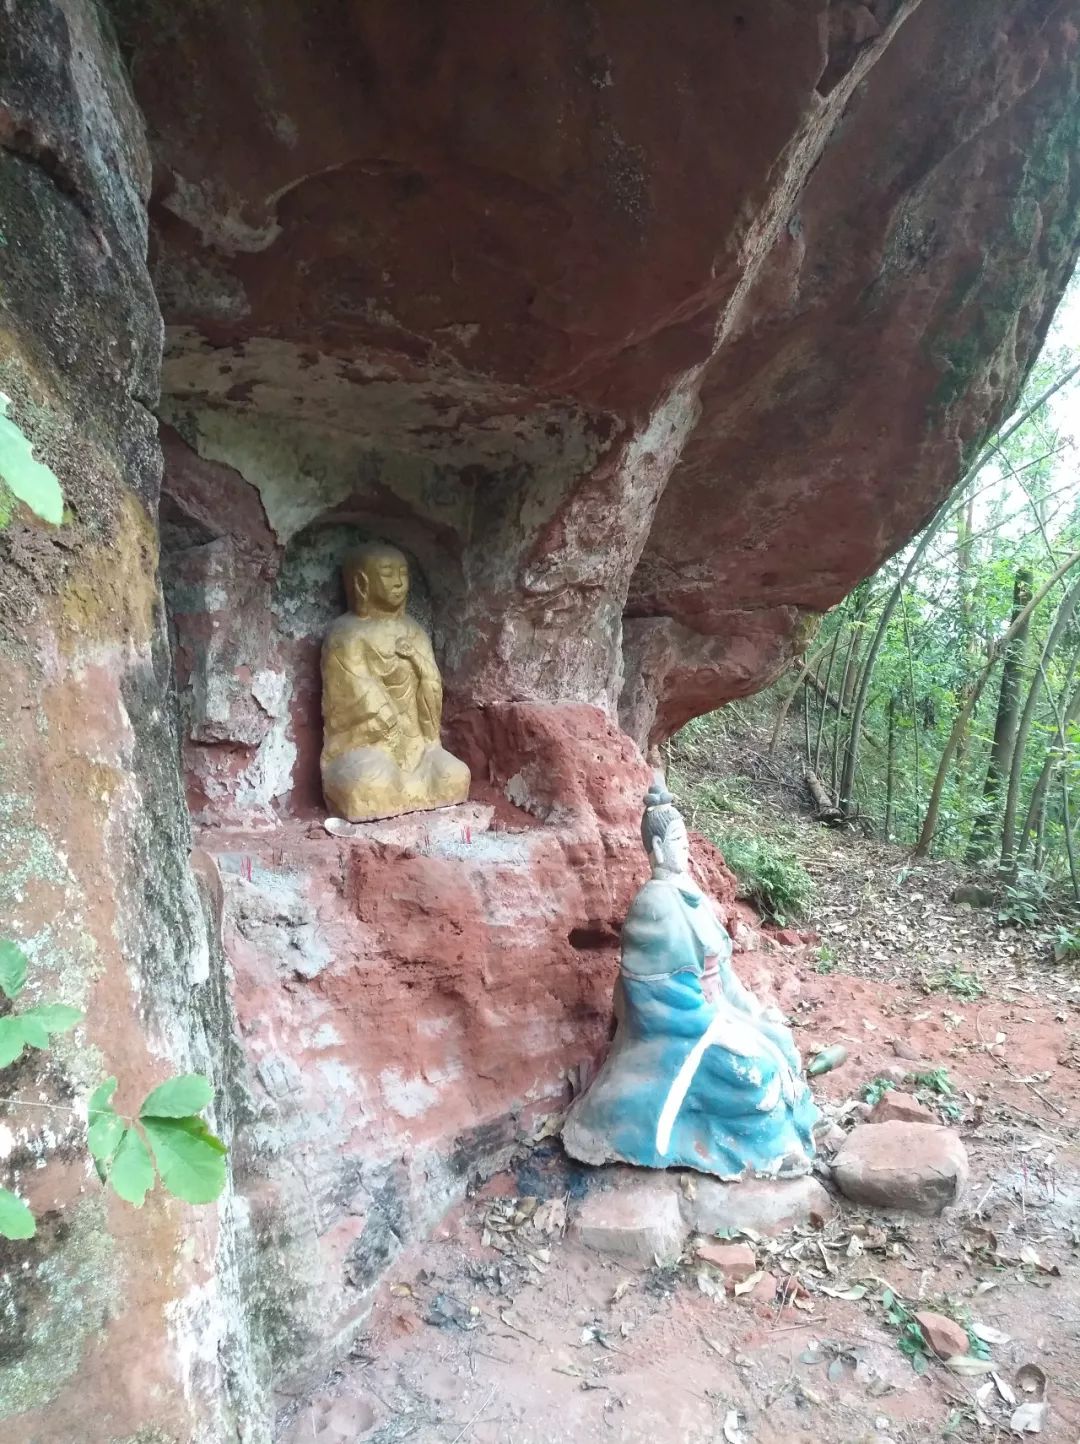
<point x="104" y="1135"/>
<point x="12" y="968"/>
<point x="101" y="1098"/>
<point x="12" y="1039"/>
<point x="33" y="1030"/>
<point x="104" y="1128"/>
<point x="189" y="1158"/>
<point x="16" y="1220"/>
<point x="132" y="1173"/>
<point x="31" y="480"/>
<point x="178" y="1098"/>
<point x="53" y="1017"/>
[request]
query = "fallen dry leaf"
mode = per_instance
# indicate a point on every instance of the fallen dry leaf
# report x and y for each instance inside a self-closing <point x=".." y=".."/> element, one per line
<point x="749" y="1283"/>
<point x="1029" y="1418"/>
<point x="1005" y="1389"/>
<point x="966" y="1364"/>
<point x="732" y="1433"/>
<point x="989" y="1335"/>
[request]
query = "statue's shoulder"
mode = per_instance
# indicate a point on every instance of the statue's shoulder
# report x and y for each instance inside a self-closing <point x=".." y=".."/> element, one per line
<point x="655" y="899"/>
<point x="347" y="630"/>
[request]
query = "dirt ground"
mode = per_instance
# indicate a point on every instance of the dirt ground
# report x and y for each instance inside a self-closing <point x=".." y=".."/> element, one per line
<point x="473" y="1343"/>
<point x="503" y="1330"/>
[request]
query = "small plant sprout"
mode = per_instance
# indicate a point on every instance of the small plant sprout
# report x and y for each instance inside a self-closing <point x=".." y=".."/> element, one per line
<point x="168" y="1142"/>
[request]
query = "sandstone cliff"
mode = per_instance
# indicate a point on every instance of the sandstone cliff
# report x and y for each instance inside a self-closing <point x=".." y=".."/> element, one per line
<point x="646" y="331"/>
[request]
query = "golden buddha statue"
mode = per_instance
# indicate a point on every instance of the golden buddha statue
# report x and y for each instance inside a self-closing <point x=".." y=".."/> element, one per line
<point x="382" y="701"/>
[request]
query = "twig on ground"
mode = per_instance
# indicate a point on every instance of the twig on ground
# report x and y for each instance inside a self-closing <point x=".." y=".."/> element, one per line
<point x="468" y="1427"/>
<point x="1061" y="1112"/>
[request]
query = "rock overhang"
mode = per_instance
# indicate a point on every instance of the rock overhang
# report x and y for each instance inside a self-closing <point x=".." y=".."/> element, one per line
<point x="690" y="318"/>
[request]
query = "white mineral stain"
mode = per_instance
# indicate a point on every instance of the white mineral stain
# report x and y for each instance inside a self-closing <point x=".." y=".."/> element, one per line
<point x="408" y="1097"/>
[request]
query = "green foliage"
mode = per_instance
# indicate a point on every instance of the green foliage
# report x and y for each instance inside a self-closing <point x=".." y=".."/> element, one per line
<point x="178" y="1098"/>
<point x="937" y="1080"/>
<point x="190" y="1160"/>
<point x="1066" y="944"/>
<point x="826" y="960"/>
<point x="30" y="480"/>
<point x="874" y="1091"/>
<point x="12" y="968"/>
<point x="16" y="1220"/>
<point x="1024" y="899"/>
<point x="167" y="1142"/>
<point x="771" y="878"/>
<point x="935" y="1089"/>
<point x="131" y="1171"/>
<point x="911" y="1341"/>
<point x="957" y="981"/>
<point x="936" y="631"/>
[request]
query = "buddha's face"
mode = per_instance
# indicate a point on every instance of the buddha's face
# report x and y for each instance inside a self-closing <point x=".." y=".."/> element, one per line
<point x="673" y="850"/>
<point x="381" y="584"/>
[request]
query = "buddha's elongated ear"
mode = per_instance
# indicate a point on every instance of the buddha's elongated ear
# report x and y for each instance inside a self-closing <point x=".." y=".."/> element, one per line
<point x="658" y="851"/>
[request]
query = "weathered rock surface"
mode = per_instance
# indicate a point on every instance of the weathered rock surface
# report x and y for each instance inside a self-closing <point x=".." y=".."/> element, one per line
<point x="896" y="1107"/>
<point x="583" y="377"/>
<point x="768" y="1206"/>
<point x="735" y="1261"/>
<point x="340" y="1419"/>
<point x="115" y="1323"/>
<point x="902" y="1165"/>
<point x="604" y="375"/>
<point x="638" y="1220"/>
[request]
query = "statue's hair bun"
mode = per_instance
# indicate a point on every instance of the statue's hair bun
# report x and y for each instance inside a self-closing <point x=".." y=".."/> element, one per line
<point x="658" y="796"/>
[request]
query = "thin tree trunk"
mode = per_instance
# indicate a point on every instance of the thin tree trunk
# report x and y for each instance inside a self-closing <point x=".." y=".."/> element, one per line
<point x="914" y="705"/>
<point x="1039" y="854"/>
<point x="1012" y="796"/>
<point x="1035" y="819"/>
<point x="802" y="666"/>
<point x="1006" y="721"/>
<point x="929" y="827"/>
<point x="843" y="692"/>
<point x="889" y="769"/>
<point x="851" y="756"/>
<point x="1069" y="847"/>
<point x="828" y="683"/>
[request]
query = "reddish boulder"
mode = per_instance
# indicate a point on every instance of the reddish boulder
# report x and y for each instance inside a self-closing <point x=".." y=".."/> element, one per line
<point x="944" y="1335"/>
<point x="896" y="1107"/>
<point x="902" y="1165"/>
<point x="768" y="1206"/>
<point x="736" y="1261"/>
<point x="637" y="1220"/>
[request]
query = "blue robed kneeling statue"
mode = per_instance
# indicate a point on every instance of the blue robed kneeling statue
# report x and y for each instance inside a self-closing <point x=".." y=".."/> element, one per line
<point x="698" y="1075"/>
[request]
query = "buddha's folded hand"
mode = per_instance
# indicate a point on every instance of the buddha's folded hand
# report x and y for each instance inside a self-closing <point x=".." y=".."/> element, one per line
<point x="386" y="718"/>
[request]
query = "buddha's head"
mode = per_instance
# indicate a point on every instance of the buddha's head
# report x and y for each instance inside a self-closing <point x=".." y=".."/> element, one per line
<point x="663" y="832"/>
<point x="376" y="580"/>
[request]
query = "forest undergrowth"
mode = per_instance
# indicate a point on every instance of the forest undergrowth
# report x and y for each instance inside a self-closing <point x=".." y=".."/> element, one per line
<point x="948" y="927"/>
